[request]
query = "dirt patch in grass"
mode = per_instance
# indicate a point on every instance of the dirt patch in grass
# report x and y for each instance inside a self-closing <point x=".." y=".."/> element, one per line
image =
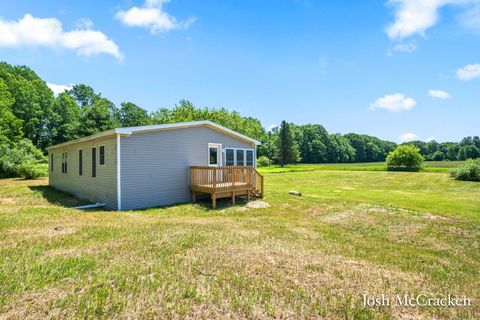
<point x="433" y="217"/>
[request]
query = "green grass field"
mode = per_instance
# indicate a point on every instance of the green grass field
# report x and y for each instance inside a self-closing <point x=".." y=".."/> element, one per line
<point x="350" y="233"/>
<point x="429" y="166"/>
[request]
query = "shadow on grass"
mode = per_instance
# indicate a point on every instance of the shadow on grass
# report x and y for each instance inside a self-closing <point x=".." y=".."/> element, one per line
<point x="58" y="197"/>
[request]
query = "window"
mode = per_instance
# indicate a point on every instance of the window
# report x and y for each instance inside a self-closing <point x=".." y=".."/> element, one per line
<point x="102" y="155"/>
<point x="250" y="158"/>
<point x="64" y="161"/>
<point x="240" y="157"/>
<point x="51" y="162"/>
<point x="213" y="156"/>
<point x="80" y="162"/>
<point x="94" y="162"/>
<point x="229" y="157"/>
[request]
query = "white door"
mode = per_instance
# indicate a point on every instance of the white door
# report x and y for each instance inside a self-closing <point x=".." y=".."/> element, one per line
<point x="215" y="159"/>
<point x="214" y="154"/>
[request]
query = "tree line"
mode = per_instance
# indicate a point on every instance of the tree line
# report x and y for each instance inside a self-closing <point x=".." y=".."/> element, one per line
<point x="30" y="111"/>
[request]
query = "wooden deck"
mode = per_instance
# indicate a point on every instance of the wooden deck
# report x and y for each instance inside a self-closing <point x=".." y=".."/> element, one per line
<point x="228" y="181"/>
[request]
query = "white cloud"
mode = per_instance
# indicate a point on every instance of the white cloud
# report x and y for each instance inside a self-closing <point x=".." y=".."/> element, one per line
<point x="440" y="94"/>
<point x="405" y="47"/>
<point x="393" y="102"/>
<point x="416" y="16"/>
<point x="408" y="137"/>
<point x="30" y="31"/>
<point x="58" y="88"/>
<point x="469" y="72"/>
<point x="153" y="17"/>
<point x="271" y="127"/>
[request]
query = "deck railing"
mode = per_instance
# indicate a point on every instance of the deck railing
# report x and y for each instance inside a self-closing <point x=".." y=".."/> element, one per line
<point x="226" y="179"/>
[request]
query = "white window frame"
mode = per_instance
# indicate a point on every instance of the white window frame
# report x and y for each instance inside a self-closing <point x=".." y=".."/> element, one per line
<point x="65" y="162"/>
<point x="219" y="154"/>
<point x="234" y="156"/>
<point x="244" y="156"/>
<point x="104" y="155"/>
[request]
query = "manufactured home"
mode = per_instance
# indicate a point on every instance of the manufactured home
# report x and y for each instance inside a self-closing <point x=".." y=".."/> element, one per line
<point x="158" y="165"/>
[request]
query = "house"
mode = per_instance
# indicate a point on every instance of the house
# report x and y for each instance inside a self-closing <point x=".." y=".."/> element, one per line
<point x="157" y="165"/>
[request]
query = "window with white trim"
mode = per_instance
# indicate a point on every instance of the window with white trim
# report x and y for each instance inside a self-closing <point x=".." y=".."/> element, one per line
<point x="229" y="157"/>
<point x="214" y="154"/>
<point x="64" y="161"/>
<point x="101" y="151"/>
<point x="240" y="157"/>
<point x="249" y="158"/>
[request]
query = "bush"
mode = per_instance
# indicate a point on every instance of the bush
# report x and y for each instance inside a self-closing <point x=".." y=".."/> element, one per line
<point x="263" y="161"/>
<point x="405" y="158"/>
<point x="470" y="171"/>
<point x="29" y="170"/>
<point x="438" y="156"/>
<point x="12" y="156"/>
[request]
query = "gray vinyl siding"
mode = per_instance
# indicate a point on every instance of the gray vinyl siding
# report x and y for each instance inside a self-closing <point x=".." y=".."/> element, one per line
<point x="155" y="165"/>
<point x="103" y="187"/>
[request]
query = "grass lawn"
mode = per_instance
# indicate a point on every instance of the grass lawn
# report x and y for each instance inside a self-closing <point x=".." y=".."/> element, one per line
<point x="350" y="233"/>
<point x="429" y="166"/>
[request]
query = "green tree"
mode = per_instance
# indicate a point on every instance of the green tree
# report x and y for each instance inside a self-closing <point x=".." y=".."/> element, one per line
<point x="438" y="156"/>
<point x="405" y="158"/>
<point x="132" y="115"/>
<point x="10" y="126"/>
<point x="287" y="148"/>
<point x="97" y="118"/>
<point x="33" y="101"/>
<point x="84" y="95"/>
<point x="452" y="151"/>
<point x="65" y="122"/>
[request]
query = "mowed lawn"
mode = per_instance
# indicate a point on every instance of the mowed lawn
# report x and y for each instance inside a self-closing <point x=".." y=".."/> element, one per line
<point x="350" y="233"/>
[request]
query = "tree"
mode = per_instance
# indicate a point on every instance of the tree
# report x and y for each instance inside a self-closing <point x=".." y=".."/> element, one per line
<point x="65" y="122"/>
<point x="287" y="148"/>
<point x="96" y="118"/>
<point x="405" y="158"/>
<point x="10" y="126"/>
<point x="452" y="151"/>
<point x="32" y="101"/>
<point x="438" y="156"/>
<point x="84" y="95"/>
<point x="132" y="115"/>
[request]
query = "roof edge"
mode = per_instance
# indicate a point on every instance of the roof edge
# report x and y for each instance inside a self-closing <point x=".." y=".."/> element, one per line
<point x="168" y="126"/>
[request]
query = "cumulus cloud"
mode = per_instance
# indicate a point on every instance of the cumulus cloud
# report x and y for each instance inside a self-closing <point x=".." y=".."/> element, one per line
<point x="440" y="94"/>
<point x="393" y="102"/>
<point x="30" y="31"/>
<point x="469" y="72"/>
<point x="153" y="17"/>
<point x="408" y="137"/>
<point x="58" y="88"/>
<point x="414" y="17"/>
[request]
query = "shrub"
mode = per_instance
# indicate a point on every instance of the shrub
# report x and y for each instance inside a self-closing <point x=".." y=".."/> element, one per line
<point x="470" y="171"/>
<point x="405" y="158"/>
<point x="29" y="170"/>
<point x="438" y="156"/>
<point x="263" y="161"/>
<point x="12" y="156"/>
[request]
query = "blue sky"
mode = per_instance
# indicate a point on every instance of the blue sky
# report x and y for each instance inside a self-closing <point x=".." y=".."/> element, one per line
<point x="398" y="70"/>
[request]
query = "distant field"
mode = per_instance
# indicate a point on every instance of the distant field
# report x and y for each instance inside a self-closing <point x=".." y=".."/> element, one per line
<point x="430" y="166"/>
<point x="307" y="257"/>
